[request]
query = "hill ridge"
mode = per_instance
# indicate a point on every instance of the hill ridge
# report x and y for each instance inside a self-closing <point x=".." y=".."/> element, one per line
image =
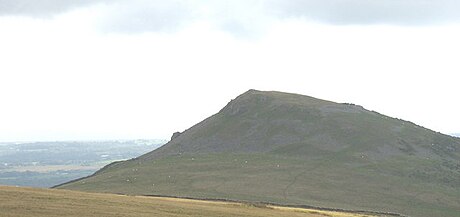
<point x="286" y="148"/>
<point x="255" y="108"/>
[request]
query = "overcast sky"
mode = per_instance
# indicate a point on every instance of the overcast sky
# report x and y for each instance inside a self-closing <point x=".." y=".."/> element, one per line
<point x="124" y="69"/>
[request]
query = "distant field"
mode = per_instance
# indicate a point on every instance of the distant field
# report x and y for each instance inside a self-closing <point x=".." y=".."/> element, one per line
<point x="54" y="168"/>
<point x="45" y="164"/>
<point x="26" y="202"/>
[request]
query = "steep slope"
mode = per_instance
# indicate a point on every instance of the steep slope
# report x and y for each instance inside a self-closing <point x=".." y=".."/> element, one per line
<point x="289" y="124"/>
<point x="294" y="149"/>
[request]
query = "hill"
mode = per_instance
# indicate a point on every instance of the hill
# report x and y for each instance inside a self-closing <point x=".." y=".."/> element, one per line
<point x="44" y="202"/>
<point x="293" y="149"/>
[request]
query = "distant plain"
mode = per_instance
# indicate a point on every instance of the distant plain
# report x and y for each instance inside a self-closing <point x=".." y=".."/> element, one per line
<point x="45" y="164"/>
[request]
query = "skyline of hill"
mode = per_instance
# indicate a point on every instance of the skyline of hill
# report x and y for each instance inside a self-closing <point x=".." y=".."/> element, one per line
<point x="292" y="149"/>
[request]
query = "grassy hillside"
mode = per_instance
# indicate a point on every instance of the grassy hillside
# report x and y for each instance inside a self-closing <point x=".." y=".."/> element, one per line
<point x="25" y="202"/>
<point x="293" y="149"/>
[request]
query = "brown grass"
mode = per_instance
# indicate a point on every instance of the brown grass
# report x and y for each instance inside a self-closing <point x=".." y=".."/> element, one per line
<point x="25" y="202"/>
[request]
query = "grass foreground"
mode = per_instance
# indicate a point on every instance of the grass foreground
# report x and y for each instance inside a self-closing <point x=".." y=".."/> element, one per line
<point x="18" y="201"/>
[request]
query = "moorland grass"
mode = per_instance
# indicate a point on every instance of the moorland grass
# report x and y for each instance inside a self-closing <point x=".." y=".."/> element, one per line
<point x="30" y="202"/>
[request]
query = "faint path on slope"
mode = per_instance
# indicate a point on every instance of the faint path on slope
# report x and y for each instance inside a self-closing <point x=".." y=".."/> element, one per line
<point x="292" y="183"/>
<point x="325" y="161"/>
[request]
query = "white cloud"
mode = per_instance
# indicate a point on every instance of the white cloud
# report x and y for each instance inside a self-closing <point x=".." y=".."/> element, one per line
<point x="64" y="78"/>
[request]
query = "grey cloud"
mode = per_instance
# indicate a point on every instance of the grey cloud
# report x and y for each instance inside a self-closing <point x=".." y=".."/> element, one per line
<point x="239" y="17"/>
<point x="362" y="12"/>
<point x="114" y="16"/>
<point x="41" y="8"/>
<point x="243" y="17"/>
<point x="146" y="15"/>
